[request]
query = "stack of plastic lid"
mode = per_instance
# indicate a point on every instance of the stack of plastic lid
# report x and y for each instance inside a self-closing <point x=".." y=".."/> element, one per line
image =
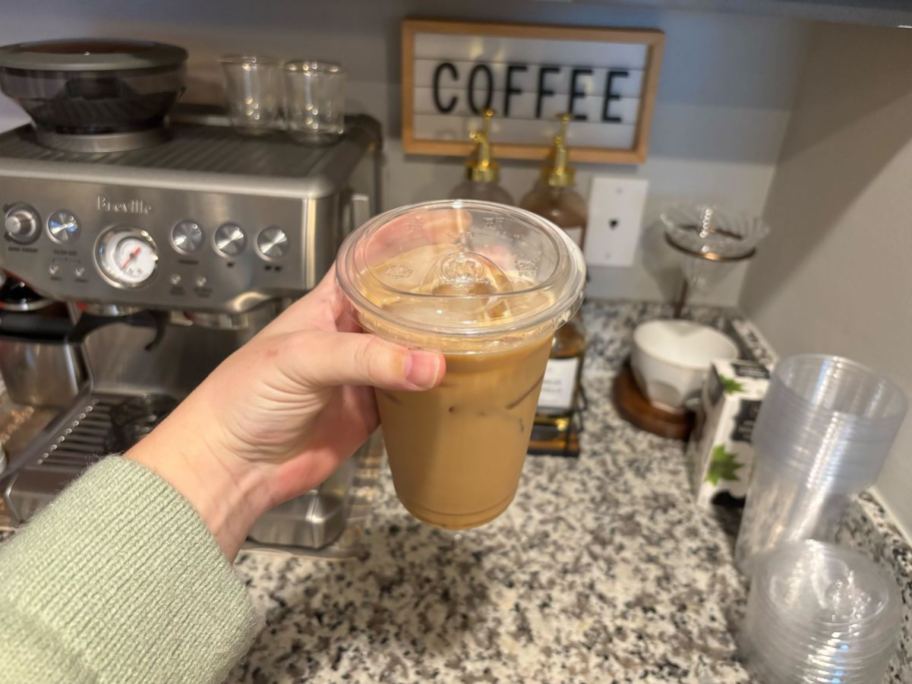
<point x="820" y="613"/>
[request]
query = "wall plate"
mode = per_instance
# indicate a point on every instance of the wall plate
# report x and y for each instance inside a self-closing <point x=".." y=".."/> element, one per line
<point x="615" y="220"/>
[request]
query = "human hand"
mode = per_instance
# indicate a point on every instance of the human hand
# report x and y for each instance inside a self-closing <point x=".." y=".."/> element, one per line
<point x="280" y="414"/>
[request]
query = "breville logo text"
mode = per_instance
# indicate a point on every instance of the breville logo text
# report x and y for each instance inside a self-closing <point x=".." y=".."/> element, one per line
<point x="133" y="206"/>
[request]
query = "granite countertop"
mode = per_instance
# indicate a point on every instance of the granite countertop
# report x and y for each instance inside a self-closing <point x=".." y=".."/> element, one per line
<point x="602" y="570"/>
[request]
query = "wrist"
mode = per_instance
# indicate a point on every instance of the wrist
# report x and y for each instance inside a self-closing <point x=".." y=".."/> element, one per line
<point x="229" y="494"/>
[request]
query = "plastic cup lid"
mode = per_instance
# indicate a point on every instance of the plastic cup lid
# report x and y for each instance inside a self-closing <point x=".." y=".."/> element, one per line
<point x="461" y="270"/>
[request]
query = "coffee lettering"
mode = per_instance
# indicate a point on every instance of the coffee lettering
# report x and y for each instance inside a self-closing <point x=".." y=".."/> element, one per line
<point x="610" y="95"/>
<point x="438" y="72"/>
<point x="510" y="91"/>
<point x="576" y="93"/>
<point x="489" y="93"/>
<point x="543" y="92"/>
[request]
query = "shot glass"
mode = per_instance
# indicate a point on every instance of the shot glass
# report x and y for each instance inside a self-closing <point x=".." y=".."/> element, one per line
<point x="253" y="91"/>
<point x="314" y="100"/>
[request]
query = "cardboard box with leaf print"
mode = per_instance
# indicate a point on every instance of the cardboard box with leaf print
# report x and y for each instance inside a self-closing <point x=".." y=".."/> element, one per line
<point x="720" y="450"/>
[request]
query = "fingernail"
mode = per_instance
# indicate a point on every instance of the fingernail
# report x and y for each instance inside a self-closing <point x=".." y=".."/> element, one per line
<point x="422" y="369"/>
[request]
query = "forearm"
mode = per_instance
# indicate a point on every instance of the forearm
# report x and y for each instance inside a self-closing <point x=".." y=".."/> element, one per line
<point x="229" y="495"/>
<point x="118" y="580"/>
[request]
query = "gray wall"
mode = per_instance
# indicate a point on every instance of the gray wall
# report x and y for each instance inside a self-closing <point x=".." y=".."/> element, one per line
<point x="727" y="85"/>
<point x="835" y="275"/>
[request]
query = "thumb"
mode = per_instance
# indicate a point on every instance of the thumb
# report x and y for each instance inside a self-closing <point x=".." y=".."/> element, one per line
<point x="334" y="358"/>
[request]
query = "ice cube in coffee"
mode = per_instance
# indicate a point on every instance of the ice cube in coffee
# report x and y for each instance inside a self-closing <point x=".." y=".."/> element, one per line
<point x="487" y="285"/>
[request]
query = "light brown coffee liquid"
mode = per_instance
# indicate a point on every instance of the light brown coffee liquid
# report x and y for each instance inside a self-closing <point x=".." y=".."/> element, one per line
<point x="456" y="452"/>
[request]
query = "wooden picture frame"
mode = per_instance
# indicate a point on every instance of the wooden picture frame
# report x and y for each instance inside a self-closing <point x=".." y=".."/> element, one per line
<point x="634" y="154"/>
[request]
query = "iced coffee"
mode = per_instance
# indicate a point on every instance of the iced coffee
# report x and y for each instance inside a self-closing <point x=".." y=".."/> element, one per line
<point x="487" y="285"/>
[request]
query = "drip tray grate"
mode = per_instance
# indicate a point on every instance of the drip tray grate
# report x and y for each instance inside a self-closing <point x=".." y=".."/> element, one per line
<point x="85" y="439"/>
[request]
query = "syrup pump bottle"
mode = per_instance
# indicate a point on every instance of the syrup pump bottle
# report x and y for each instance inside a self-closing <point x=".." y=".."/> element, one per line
<point x="554" y="195"/>
<point x="557" y="418"/>
<point x="482" y="170"/>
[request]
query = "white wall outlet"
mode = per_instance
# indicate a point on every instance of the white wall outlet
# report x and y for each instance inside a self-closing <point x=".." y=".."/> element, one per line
<point x="615" y="220"/>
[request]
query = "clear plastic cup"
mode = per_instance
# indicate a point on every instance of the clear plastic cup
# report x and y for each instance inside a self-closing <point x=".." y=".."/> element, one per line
<point x="487" y="285"/>
<point x="314" y="100"/>
<point x="823" y="433"/>
<point x="253" y="92"/>
<point x="817" y="612"/>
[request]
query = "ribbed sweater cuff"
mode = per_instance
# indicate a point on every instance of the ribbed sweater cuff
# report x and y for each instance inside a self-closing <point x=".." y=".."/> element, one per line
<point x="125" y="575"/>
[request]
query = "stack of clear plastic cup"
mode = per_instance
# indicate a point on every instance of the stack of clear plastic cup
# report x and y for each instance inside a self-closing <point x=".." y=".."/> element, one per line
<point x="822" y="435"/>
<point x="820" y="613"/>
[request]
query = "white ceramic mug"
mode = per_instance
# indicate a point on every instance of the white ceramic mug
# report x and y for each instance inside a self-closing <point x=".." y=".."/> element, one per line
<point x="670" y="359"/>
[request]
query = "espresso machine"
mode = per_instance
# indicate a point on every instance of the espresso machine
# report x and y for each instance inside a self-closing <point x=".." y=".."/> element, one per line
<point x="169" y="254"/>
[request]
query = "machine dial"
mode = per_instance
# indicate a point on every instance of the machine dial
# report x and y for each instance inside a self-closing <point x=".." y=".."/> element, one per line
<point x="63" y="226"/>
<point x="21" y="224"/>
<point x="187" y="236"/>
<point x="272" y="242"/>
<point x="126" y="257"/>
<point x="230" y="239"/>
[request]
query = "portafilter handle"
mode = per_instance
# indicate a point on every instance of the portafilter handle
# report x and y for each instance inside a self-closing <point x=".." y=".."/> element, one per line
<point x="32" y="326"/>
<point x="88" y="322"/>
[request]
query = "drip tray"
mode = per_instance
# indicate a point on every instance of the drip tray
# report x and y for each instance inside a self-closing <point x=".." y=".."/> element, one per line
<point x="60" y="453"/>
<point x="324" y="522"/>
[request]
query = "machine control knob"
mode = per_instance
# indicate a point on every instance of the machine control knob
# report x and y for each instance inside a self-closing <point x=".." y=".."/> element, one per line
<point x="230" y="240"/>
<point x="187" y="236"/>
<point x="22" y="224"/>
<point x="63" y="226"/>
<point x="272" y="242"/>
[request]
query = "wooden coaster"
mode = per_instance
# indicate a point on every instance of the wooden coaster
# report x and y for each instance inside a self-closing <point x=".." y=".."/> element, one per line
<point x="636" y="409"/>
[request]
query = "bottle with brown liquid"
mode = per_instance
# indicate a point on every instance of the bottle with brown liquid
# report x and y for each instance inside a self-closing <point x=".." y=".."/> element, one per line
<point x="482" y="170"/>
<point x="554" y="195"/>
<point x="556" y="429"/>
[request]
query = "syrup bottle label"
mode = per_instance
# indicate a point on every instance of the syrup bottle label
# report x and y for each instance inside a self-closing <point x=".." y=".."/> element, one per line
<point x="576" y="234"/>
<point x="559" y="384"/>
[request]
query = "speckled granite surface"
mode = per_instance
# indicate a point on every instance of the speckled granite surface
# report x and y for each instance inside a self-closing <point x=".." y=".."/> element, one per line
<point x="600" y="571"/>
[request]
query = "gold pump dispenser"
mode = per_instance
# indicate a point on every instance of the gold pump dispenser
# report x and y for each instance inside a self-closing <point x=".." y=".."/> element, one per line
<point x="481" y="166"/>
<point x="557" y="172"/>
<point x="482" y="170"/>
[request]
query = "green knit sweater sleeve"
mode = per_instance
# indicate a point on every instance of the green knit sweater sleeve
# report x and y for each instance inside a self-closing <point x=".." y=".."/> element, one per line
<point x="119" y="580"/>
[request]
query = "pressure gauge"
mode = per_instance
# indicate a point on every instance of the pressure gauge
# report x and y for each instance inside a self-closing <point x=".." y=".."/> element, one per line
<point x="126" y="257"/>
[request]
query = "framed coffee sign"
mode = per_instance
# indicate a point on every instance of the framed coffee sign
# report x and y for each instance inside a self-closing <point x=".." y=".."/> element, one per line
<point x="605" y="79"/>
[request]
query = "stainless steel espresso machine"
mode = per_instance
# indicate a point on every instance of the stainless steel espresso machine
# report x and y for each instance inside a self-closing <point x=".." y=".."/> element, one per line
<point x="169" y="256"/>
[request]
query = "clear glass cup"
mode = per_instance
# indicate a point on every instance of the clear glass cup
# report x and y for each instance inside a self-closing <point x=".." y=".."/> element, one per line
<point x="314" y="100"/>
<point x="487" y="285"/>
<point x="253" y="90"/>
